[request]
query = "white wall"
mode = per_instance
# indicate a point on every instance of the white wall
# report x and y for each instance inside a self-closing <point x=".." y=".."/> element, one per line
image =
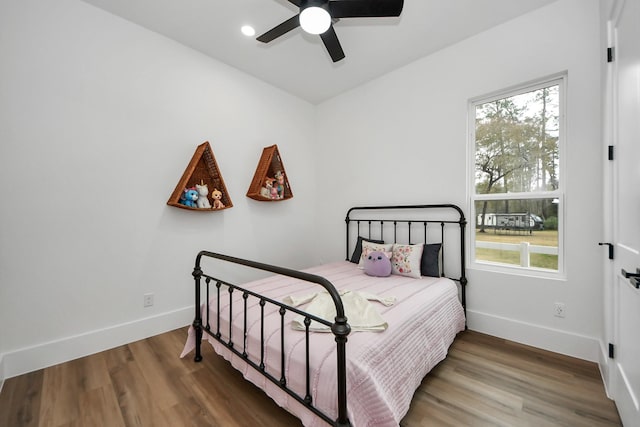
<point x="408" y="132"/>
<point x="99" y="117"/>
<point x="98" y="120"/>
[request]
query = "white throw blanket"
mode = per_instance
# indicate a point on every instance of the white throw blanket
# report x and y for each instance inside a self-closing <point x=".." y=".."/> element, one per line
<point x="361" y="314"/>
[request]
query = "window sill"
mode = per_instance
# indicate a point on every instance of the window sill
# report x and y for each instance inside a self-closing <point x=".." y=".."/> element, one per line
<point x="517" y="271"/>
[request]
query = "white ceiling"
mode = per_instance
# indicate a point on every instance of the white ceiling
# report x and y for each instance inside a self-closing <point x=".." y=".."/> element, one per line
<point x="298" y="62"/>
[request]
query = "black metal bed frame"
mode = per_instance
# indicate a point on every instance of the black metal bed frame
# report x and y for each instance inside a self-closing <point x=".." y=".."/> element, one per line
<point x="339" y="327"/>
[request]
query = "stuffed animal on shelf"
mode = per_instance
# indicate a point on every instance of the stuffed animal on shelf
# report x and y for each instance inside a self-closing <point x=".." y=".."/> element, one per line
<point x="189" y="197"/>
<point x="268" y="186"/>
<point x="378" y="264"/>
<point x="273" y="192"/>
<point x="216" y="195"/>
<point x="203" y="192"/>
<point x="280" y="185"/>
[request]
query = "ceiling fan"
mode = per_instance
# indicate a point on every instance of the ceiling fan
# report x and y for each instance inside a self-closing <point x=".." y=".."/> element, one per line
<point x="318" y="16"/>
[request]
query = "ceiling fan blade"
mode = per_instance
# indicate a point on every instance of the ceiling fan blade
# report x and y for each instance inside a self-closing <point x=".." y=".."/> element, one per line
<point x="295" y="2"/>
<point x="331" y="42"/>
<point x="279" y="30"/>
<point x="365" y="8"/>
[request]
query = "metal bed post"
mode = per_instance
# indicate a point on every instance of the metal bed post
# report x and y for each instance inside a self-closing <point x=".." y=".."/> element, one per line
<point x="463" y="274"/>
<point x="347" y="245"/>
<point x="341" y="329"/>
<point x="197" y="321"/>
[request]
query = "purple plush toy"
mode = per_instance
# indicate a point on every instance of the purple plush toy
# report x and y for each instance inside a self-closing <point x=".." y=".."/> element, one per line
<point x="377" y="264"/>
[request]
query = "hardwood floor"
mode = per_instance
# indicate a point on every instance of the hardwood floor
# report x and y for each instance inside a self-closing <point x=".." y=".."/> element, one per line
<point x="484" y="381"/>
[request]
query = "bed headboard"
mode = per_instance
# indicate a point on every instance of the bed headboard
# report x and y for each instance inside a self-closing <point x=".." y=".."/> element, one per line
<point x="411" y="224"/>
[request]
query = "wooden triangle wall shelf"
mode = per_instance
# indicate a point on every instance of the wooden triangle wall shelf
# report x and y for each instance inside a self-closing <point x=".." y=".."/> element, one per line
<point x="202" y="169"/>
<point x="270" y="182"/>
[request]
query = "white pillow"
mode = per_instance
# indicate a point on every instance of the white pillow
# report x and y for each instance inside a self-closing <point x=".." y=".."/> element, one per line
<point x="368" y="247"/>
<point x="406" y="259"/>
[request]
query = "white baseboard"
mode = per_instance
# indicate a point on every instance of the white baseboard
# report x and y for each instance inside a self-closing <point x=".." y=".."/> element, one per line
<point x="63" y="350"/>
<point x="563" y="342"/>
<point x="2" y="376"/>
<point x="51" y="353"/>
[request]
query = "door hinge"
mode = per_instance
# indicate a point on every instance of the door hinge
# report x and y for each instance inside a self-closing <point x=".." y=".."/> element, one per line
<point x="612" y="350"/>
<point x="611" y="152"/>
<point x="610" y="248"/>
<point x="610" y="54"/>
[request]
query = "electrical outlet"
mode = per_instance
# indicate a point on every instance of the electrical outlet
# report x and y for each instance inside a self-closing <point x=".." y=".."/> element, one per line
<point x="558" y="309"/>
<point x="148" y="300"/>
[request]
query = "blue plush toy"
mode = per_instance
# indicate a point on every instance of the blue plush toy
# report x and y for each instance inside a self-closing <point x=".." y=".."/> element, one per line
<point x="377" y="264"/>
<point x="189" y="197"/>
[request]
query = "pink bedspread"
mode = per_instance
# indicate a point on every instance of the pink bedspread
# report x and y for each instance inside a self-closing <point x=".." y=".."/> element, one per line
<point x="383" y="368"/>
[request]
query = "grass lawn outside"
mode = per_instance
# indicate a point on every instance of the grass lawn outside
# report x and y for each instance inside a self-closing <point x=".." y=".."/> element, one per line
<point x="536" y="238"/>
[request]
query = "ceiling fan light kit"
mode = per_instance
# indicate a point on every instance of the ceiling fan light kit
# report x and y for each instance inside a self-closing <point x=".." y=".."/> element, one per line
<point x="315" y="17"/>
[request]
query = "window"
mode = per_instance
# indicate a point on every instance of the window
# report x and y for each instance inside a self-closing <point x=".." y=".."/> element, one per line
<point x="515" y="180"/>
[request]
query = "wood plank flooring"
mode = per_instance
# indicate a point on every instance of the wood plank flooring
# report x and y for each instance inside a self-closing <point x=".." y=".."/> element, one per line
<point x="485" y="381"/>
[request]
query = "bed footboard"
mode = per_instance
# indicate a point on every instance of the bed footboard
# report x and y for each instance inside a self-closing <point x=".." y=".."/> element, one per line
<point x="340" y="328"/>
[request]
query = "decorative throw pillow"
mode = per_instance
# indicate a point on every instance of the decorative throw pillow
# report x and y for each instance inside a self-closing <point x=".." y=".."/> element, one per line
<point x="378" y="264"/>
<point x="357" y="252"/>
<point x="430" y="264"/>
<point x="405" y="260"/>
<point x="368" y="247"/>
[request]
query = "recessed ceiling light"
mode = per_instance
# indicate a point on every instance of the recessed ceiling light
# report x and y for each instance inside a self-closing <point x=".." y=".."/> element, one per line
<point x="248" y="30"/>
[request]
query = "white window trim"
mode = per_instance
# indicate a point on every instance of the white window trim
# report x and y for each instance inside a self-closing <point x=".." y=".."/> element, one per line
<point x="561" y="80"/>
